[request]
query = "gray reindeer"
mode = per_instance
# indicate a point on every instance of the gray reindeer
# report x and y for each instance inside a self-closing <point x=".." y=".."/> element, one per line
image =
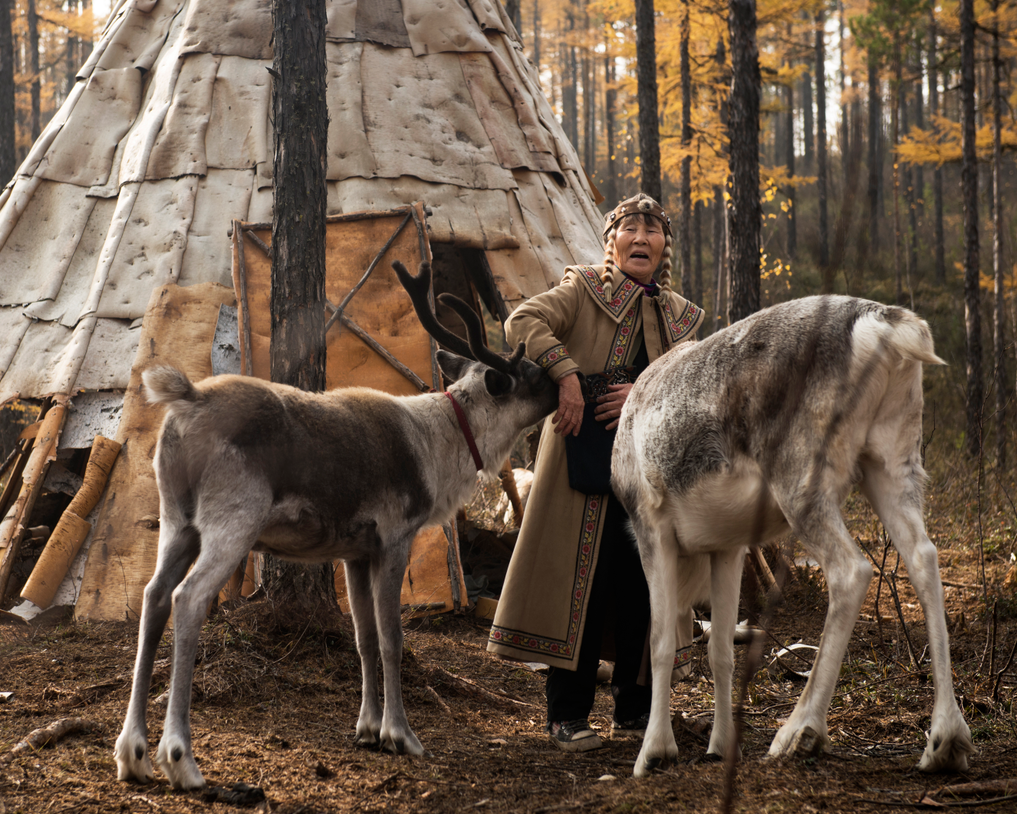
<point x="349" y="474"/>
<point x="761" y="429"/>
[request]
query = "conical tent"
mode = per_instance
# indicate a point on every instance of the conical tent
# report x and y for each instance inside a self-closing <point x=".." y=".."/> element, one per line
<point x="125" y="204"/>
<point x="166" y="138"/>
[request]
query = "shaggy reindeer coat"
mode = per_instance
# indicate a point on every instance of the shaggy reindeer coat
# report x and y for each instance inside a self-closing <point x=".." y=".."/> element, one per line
<point x="573" y="327"/>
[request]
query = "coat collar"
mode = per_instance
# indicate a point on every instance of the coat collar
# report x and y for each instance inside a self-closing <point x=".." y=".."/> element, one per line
<point x="681" y="318"/>
<point x="624" y="292"/>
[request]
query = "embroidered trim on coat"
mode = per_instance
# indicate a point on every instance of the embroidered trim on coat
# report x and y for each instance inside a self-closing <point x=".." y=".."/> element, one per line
<point x="564" y="648"/>
<point x="680" y="327"/>
<point x="619" y="299"/>
<point x="553" y="356"/>
<point x="622" y="339"/>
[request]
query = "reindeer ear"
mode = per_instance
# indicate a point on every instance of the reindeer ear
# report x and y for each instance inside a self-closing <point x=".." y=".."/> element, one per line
<point x="452" y="366"/>
<point x="498" y="383"/>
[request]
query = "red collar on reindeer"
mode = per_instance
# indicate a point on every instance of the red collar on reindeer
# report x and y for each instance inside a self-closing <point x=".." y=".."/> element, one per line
<point x="464" y="425"/>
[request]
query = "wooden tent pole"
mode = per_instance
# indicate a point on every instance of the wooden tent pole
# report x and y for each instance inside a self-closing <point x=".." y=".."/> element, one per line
<point x="65" y="542"/>
<point x="12" y="526"/>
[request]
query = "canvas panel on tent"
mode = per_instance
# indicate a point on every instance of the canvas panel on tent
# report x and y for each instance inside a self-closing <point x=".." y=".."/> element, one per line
<point x="166" y="140"/>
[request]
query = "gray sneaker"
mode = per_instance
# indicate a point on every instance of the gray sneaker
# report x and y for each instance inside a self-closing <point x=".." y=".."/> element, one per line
<point x="637" y="726"/>
<point x="573" y="736"/>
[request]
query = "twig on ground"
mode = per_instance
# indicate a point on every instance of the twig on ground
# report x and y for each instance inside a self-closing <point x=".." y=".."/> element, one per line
<point x="39" y="738"/>
<point x="1002" y="672"/>
<point x="438" y="699"/>
<point x="473" y="688"/>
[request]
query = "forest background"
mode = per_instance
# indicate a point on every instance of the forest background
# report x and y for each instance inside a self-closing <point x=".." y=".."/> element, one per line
<point x="861" y="158"/>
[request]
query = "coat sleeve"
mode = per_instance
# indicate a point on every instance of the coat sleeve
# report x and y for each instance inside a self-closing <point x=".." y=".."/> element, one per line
<point x="544" y="323"/>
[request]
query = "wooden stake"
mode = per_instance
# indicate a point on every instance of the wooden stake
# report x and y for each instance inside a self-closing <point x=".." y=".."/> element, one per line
<point x="13" y="524"/>
<point x="67" y="538"/>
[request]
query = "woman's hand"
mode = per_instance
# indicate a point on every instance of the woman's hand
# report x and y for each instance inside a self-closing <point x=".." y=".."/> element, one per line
<point x="569" y="417"/>
<point x="609" y="406"/>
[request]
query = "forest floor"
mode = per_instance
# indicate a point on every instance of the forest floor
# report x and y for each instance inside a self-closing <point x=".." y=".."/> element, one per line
<point x="275" y="707"/>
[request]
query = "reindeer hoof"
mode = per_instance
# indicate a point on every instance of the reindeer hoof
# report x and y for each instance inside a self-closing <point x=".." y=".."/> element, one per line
<point x="367" y="741"/>
<point x="807" y="744"/>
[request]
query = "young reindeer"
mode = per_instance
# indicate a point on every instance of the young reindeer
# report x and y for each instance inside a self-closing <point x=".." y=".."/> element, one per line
<point x="350" y="474"/>
<point x="761" y="429"/>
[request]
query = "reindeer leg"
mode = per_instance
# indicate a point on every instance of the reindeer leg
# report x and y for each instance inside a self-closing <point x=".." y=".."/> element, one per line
<point x="725" y="586"/>
<point x="358" y="584"/>
<point x="178" y="548"/>
<point x="229" y="521"/>
<point x="848" y="574"/>
<point x="897" y="501"/>
<point x="386" y="583"/>
<point x="661" y="566"/>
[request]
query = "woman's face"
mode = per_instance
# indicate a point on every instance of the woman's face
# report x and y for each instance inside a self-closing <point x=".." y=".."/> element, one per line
<point x="638" y="246"/>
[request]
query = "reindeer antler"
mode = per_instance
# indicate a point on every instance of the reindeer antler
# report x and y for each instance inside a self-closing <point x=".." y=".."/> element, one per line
<point x="418" y="287"/>
<point x="474" y="329"/>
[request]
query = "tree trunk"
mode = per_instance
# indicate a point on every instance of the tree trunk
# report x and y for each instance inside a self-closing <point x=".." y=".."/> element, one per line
<point x="918" y="173"/>
<point x="845" y="127"/>
<point x="969" y="191"/>
<point x="720" y="215"/>
<point x="808" y="126"/>
<point x="999" y="292"/>
<point x="8" y="155"/>
<point x="898" y="276"/>
<point x="875" y="168"/>
<point x="569" y="93"/>
<point x="649" y="132"/>
<point x="910" y="198"/>
<point x="514" y="11"/>
<point x="697" y="253"/>
<point x="685" y="204"/>
<point x="298" y="244"/>
<point x="824" y="226"/>
<point x="610" y="97"/>
<point x="789" y="160"/>
<point x="590" y="105"/>
<point x="536" y="35"/>
<point x="743" y="127"/>
<point x="719" y="259"/>
<point x="32" y="20"/>
<point x="937" y="175"/>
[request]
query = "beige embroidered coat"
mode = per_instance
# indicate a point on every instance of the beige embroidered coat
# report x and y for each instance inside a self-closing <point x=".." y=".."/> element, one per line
<point x="572" y="327"/>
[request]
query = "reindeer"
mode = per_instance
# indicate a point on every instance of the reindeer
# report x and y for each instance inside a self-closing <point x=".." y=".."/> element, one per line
<point x="349" y="474"/>
<point x="761" y="429"/>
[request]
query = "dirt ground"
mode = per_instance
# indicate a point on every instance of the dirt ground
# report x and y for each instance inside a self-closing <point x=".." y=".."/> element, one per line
<point x="275" y="706"/>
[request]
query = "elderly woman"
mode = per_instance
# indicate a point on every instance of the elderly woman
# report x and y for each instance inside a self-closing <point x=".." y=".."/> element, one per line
<point x="575" y="575"/>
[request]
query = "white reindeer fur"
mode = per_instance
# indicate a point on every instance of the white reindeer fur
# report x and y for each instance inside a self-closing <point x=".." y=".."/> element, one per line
<point x="350" y="474"/>
<point x="761" y="429"/>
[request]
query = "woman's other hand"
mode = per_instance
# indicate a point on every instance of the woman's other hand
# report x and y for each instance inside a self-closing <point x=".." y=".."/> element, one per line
<point x="609" y="406"/>
<point x="569" y="417"/>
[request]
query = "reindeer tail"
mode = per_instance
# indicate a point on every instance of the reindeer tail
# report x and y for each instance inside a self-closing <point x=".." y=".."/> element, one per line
<point x="912" y="339"/>
<point x="166" y="385"/>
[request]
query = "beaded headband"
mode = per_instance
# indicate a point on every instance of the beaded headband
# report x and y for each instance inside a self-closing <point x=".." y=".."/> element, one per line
<point x="641" y="204"/>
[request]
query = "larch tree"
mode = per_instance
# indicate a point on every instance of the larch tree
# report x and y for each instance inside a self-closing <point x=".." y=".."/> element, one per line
<point x="939" y="252"/>
<point x="32" y="19"/>
<point x="743" y="126"/>
<point x="999" y="292"/>
<point x="821" y="170"/>
<point x="298" y="245"/>
<point x="969" y="193"/>
<point x="791" y="217"/>
<point x="8" y="112"/>
<point x="649" y="132"/>
<point x="685" y="204"/>
<point x="875" y="162"/>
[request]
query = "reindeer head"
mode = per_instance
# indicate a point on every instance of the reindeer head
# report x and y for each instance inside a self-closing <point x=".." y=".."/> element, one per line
<point x="504" y="376"/>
